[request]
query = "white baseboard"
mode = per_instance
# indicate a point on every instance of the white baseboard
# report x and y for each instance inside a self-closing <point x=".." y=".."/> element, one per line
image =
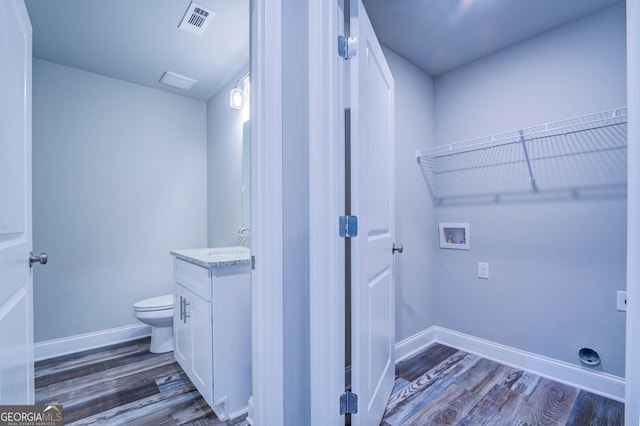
<point x="249" y="418"/>
<point x="416" y="342"/>
<point x="82" y="342"/>
<point x="599" y="383"/>
<point x="604" y="384"/>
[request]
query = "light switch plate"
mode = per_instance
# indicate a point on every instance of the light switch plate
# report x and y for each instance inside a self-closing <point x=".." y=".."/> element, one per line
<point x="483" y="270"/>
<point x="622" y="301"/>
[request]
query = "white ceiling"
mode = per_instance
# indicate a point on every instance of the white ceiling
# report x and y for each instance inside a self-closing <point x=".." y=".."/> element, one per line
<point x="441" y="35"/>
<point x="138" y="40"/>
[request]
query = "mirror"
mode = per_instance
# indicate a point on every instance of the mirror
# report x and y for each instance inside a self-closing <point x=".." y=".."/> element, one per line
<point x="246" y="174"/>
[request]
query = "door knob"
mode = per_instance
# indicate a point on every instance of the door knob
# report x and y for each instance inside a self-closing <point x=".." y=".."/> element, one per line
<point x="42" y="258"/>
<point x="397" y="248"/>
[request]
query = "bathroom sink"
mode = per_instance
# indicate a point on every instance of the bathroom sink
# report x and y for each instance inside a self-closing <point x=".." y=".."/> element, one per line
<point x="214" y="257"/>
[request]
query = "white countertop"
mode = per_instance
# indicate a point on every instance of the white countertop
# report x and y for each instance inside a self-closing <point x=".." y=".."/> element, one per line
<point x="214" y="257"/>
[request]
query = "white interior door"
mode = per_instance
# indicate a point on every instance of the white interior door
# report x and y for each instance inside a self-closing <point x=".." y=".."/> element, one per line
<point x="372" y="201"/>
<point x="16" y="312"/>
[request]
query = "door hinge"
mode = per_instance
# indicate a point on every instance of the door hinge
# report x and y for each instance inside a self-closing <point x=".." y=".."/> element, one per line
<point x="348" y="226"/>
<point x="347" y="46"/>
<point x="253" y="262"/>
<point x="348" y="403"/>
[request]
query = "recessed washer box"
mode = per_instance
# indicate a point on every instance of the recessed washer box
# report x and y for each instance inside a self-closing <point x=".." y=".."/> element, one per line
<point x="454" y="236"/>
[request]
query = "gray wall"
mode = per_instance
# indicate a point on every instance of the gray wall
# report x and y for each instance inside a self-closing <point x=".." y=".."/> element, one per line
<point x="224" y="164"/>
<point x="555" y="266"/>
<point x="119" y="179"/>
<point x="415" y="214"/>
<point x="295" y="213"/>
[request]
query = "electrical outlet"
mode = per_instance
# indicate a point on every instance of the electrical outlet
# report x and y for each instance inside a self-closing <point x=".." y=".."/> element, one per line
<point x="622" y="301"/>
<point x="483" y="270"/>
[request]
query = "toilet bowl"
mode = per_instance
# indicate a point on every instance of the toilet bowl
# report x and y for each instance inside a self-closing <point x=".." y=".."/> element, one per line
<point x="158" y="313"/>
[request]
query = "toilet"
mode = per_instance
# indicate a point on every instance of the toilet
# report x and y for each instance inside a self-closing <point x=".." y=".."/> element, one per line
<point x="158" y="313"/>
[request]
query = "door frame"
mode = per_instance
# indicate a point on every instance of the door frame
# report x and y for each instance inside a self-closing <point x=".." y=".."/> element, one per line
<point x="266" y="404"/>
<point x="327" y="203"/>
<point x="632" y="373"/>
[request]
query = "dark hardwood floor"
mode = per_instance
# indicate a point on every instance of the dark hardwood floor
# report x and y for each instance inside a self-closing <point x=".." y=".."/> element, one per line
<point x="125" y="384"/>
<point x="443" y="386"/>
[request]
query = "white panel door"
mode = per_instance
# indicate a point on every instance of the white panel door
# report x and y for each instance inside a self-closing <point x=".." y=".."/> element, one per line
<point x="372" y="200"/>
<point x="16" y="312"/>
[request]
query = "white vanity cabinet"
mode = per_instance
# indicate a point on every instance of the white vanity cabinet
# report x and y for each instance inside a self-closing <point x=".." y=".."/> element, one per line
<point x="212" y="330"/>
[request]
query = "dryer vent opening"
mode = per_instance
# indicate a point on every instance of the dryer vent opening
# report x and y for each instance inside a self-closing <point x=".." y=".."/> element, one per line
<point x="589" y="357"/>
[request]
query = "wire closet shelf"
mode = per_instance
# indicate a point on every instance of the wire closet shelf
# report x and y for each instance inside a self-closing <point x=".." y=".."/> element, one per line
<point x="582" y="156"/>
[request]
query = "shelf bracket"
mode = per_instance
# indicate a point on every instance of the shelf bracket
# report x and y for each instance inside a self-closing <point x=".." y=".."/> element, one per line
<point x="532" y="180"/>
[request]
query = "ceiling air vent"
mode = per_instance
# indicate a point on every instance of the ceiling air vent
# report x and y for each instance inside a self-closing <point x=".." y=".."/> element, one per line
<point x="196" y="19"/>
<point x="176" y="80"/>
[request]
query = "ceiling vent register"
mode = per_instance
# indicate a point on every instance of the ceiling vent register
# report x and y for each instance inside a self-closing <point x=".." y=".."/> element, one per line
<point x="196" y="19"/>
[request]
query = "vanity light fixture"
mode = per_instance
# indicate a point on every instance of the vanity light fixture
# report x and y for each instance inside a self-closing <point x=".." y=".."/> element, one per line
<point x="241" y="92"/>
<point x="235" y="98"/>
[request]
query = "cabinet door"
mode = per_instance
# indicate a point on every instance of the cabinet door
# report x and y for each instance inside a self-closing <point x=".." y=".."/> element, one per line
<point x="181" y="330"/>
<point x="200" y="333"/>
<point x="192" y="328"/>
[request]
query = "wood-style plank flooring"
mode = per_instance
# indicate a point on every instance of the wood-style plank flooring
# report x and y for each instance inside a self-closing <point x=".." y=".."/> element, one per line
<point x="123" y="384"/>
<point x="444" y="386"/>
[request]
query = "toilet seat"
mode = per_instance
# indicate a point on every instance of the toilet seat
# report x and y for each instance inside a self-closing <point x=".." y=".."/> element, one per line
<point x="159" y="303"/>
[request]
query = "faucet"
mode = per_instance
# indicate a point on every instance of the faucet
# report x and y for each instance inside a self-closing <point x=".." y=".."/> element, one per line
<point x="244" y="237"/>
